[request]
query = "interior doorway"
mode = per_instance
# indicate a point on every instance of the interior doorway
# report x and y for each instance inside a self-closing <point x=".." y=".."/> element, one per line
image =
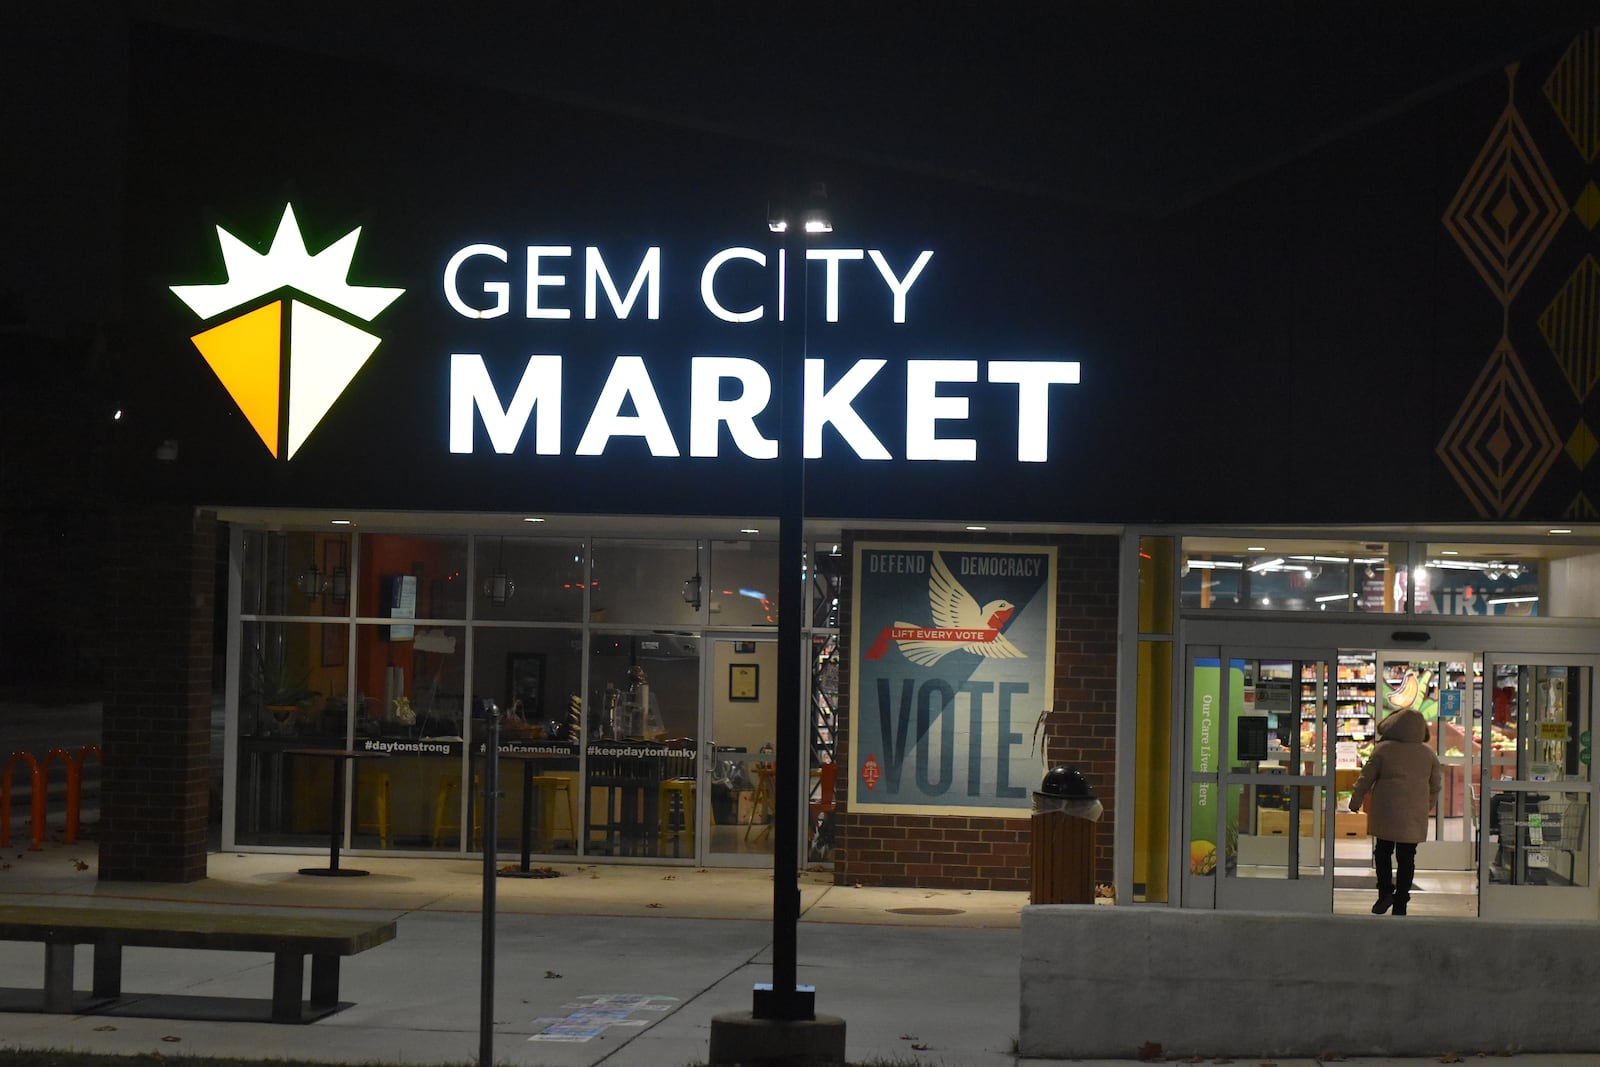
<point x="738" y="768"/>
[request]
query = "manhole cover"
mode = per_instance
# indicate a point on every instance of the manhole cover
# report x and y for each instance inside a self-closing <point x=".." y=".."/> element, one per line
<point x="926" y="911"/>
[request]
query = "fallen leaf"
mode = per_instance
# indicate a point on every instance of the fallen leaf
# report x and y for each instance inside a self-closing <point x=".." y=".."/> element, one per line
<point x="172" y="1037"/>
<point x="920" y="1047"/>
<point x="1450" y="1057"/>
<point x="652" y="905"/>
<point x="80" y="865"/>
<point x="1150" y="1050"/>
<point x="105" y="1028"/>
<point x="908" y="1037"/>
<point x="549" y="974"/>
<point x="594" y="876"/>
<point x="669" y="877"/>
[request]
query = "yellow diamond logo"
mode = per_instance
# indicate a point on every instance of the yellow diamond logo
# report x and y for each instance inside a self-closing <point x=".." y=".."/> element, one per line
<point x="287" y="362"/>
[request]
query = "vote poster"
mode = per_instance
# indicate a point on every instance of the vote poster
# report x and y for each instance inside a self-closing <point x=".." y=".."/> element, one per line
<point x="954" y="670"/>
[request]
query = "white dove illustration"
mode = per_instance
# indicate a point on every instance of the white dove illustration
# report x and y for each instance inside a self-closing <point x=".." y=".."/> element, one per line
<point x="955" y="609"/>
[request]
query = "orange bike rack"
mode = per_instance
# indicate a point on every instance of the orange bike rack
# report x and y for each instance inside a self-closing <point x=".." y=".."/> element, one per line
<point x="36" y="795"/>
<point x="74" y="766"/>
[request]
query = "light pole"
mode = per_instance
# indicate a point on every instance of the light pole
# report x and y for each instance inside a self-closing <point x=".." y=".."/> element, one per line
<point x="784" y="999"/>
<point x="783" y="1026"/>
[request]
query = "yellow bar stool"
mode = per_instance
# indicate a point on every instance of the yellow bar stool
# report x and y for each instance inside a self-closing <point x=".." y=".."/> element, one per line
<point x="548" y="786"/>
<point x="372" y="807"/>
<point x="761" y="810"/>
<point x="676" y="800"/>
<point x="445" y="809"/>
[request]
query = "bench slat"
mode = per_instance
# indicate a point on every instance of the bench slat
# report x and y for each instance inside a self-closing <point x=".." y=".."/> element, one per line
<point x="243" y="931"/>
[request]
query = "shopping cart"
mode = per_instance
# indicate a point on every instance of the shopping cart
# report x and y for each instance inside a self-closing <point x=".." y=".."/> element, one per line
<point x="1534" y="834"/>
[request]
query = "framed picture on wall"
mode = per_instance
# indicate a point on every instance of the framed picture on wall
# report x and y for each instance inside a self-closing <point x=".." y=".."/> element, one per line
<point x="525" y="685"/>
<point x="744" y="681"/>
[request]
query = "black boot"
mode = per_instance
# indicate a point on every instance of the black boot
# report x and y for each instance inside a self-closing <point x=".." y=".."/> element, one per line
<point x="1381" y="862"/>
<point x="1406" y="854"/>
<point x="1386" y="897"/>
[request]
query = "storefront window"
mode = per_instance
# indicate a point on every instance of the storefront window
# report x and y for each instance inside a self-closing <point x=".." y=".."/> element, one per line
<point x="526" y="580"/>
<point x="292" y="695"/>
<point x="295" y="573"/>
<point x="409" y="707"/>
<point x="1462" y="579"/>
<point x="743" y="589"/>
<point x="405" y="576"/>
<point x="640" y="730"/>
<point x="827" y="578"/>
<point x="1265" y="574"/>
<point x="536" y="678"/>
<point x="656" y="582"/>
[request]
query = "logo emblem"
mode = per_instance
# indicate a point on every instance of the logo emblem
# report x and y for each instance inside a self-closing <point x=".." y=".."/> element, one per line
<point x="285" y="363"/>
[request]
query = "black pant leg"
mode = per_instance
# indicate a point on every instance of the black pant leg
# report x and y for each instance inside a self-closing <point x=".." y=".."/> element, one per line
<point x="1382" y="861"/>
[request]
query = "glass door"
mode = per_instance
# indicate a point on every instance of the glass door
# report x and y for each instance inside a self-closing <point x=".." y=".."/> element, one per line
<point x="741" y="711"/>
<point x="1446" y="689"/>
<point x="1536" y="839"/>
<point x="1260" y="797"/>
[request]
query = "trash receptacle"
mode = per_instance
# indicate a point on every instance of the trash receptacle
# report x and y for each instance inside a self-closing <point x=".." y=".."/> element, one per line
<point x="1064" y="815"/>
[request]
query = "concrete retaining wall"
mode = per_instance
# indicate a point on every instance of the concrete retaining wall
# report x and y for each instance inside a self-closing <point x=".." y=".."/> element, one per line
<point x="1102" y="981"/>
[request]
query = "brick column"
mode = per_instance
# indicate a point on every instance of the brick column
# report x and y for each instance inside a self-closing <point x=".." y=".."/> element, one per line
<point x="156" y="730"/>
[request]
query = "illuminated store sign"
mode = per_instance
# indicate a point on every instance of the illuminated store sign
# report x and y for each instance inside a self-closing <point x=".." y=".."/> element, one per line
<point x="286" y="363"/>
<point x="933" y="388"/>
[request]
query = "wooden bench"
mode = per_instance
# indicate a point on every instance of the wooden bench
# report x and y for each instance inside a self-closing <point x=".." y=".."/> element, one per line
<point x="290" y="938"/>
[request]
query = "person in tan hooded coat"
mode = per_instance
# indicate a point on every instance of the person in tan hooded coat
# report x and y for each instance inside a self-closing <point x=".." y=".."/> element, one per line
<point x="1402" y="780"/>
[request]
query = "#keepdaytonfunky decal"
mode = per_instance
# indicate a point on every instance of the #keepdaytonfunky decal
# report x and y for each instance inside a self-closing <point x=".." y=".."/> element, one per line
<point x="954" y="669"/>
<point x="285" y="362"/>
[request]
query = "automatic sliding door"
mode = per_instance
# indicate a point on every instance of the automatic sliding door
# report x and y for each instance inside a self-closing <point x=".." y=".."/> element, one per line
<point x="1536" y="836"/>
<point x="1260" y="798"/>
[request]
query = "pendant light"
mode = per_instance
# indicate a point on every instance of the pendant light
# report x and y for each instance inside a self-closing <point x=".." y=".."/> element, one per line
<point x="499" y="586"/>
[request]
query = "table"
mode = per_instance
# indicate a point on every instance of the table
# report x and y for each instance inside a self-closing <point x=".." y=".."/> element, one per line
<point x="527" y="759"/>
<point x="339" y="756"/>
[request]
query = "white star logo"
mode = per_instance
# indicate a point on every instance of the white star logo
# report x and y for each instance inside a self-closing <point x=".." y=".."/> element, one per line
<point x="278" y="385"/>
<point x="287" y="263"/>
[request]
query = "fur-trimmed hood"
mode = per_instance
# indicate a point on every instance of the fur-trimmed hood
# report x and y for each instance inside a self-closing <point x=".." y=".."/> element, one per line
<point x="1407" y="725"/>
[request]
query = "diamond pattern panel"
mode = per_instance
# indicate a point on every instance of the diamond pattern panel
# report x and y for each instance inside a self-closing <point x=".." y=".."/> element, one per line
<point x="1571" y="327"/>
<point x="1573" y="90"/>
<point x="1582" y="509"/>
<point x="1501" y="442"/>
<point x="1581" y="445"/>
<point x="1508" y="209"/>
<point x="1588" y="206"/>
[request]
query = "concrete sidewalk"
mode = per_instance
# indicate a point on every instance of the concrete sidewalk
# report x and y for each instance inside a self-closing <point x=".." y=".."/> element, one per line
<point x="605" y="964"/>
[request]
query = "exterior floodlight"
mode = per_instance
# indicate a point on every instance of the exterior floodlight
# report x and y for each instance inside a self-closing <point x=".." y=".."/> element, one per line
<point x="814" y="217"/>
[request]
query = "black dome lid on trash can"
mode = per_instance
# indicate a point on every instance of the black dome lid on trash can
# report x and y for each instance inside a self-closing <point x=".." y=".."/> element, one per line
<point x="1067" y="782"/>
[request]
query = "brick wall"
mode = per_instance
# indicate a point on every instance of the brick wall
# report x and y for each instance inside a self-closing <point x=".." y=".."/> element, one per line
<point x="156" y="729"/>
<point x="962" y="852"/>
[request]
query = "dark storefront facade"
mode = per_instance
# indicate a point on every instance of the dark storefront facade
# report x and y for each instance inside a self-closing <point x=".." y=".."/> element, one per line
<point x="485" y="401"/>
